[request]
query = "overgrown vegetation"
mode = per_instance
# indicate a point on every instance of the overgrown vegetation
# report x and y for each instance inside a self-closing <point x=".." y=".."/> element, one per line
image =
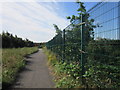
<point x="13" y="61"/>
<point x="65" y="75"/>
<point x="102" y="68"/>
<point x="103" y="64"/>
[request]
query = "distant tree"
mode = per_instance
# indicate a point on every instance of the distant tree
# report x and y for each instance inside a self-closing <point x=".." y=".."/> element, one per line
<point x="10" y="41"/>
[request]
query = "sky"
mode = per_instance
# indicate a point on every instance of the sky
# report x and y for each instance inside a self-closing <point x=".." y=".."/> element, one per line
<point x="34" y="20"/>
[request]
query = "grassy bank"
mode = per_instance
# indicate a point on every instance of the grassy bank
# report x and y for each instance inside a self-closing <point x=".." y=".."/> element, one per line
<point x="13" y="60"/>
<point x="65" y="75"/>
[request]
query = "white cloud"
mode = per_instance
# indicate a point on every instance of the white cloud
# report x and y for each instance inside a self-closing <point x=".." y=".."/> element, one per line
<point x="31" y="20"/>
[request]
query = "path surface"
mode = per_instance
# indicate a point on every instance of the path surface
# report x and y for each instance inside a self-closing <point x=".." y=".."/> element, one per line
<point x="36" y="73"/>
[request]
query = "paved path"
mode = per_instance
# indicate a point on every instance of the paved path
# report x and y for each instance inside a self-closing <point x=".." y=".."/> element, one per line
<point x="36" y="73"/>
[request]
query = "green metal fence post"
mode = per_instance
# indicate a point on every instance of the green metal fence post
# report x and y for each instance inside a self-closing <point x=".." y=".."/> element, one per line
<point x="82" y="48"/>
<point x="63" y="45"/>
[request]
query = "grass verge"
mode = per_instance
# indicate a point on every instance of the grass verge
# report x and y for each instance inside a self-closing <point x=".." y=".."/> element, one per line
<point x="13" y="60"/>
<point x="65" y="75"/>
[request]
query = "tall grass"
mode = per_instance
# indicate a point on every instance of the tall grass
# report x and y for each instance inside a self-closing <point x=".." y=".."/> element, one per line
<point x="12" y="61"/>
<point x="65" y="75"/>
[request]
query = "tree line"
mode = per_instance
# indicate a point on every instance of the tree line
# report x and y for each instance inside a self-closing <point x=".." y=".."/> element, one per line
<point x="10" y="41"/>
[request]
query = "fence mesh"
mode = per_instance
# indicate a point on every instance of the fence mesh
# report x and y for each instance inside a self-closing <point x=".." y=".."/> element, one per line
<point x="98" y="57"/>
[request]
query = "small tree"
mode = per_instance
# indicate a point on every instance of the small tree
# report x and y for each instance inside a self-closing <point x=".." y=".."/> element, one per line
<point x="83" y="16"/>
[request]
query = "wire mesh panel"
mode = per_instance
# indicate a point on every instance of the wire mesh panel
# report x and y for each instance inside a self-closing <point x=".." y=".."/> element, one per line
<point x="98" y="51"/>
<point x="56" y="46"/>
<point x="103" y="53"/>
<point x="67" y="44"/>
<point x="72" y="43"/>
